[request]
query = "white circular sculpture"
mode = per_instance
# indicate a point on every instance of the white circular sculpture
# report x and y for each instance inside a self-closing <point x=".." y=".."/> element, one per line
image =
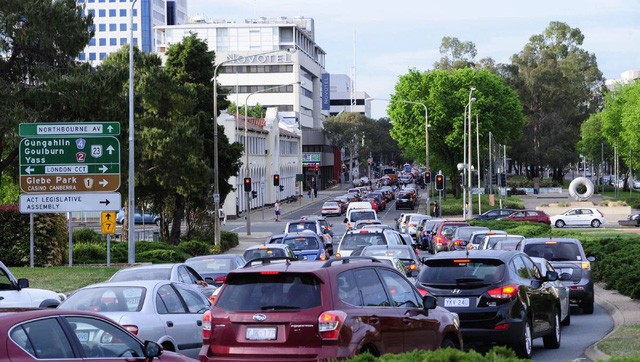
<point x="581" y="181"/>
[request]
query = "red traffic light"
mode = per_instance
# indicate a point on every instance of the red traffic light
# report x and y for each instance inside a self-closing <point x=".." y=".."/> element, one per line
<point x="276" y="180"/>
<point x="247" y="184"/>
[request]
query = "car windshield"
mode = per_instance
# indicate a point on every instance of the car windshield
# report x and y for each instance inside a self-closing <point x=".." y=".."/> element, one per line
<point x="302" y="243"/>
<point x="263" y="253"/>
<point x="504" y="240"/>
<point x="268" y="292"/>
<point x="106" y="299"/>
<point x="354" y="241"/>
<point x="211" y="265"/>
<point x="455" y="272"/>
<point x="554" y="251"/>
<point x="400" y="253"/>
<point x="126" y="275"/>
<point x="362" y="215"/>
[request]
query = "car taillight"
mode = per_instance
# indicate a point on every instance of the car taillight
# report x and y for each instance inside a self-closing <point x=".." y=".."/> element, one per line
<point x="439" y="240"/>
<point x="586" y="265"/>
<point x="413" y="267"/>
<point x="504" y="292"/>
<point x="220" y="279"/>
<point x="329" y="324"/>
<point x="422" y="291"/>
<point x="457" y="242"/>
<point x="131" y="328"/>
<point x="206" y="325"/>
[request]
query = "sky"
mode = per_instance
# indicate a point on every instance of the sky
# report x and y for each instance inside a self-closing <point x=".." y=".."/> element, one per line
<point x="384" y="39"/>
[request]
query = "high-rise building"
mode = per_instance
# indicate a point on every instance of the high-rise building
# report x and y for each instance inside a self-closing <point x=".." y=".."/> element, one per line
<point x="345" y="99"/>
<point x="112" y="24"/>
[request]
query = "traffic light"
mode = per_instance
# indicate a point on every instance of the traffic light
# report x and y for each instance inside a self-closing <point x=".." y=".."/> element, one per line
<point x="439" y="182"/>
<point x="254" y="194"/>
<point x="494" y="178"/>
<point x="247" y="184"/>
<point x="427" y="177"/>
<point x="503" y="179"/>
<point x="276" y="180"/>
<point x="281" y="187"/>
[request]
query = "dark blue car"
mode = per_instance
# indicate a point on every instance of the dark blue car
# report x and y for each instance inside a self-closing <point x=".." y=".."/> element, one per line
<point x="306" y="245"/>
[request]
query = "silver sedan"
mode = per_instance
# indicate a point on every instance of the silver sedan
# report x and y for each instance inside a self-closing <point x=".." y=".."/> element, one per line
<point x="169" y="313"/>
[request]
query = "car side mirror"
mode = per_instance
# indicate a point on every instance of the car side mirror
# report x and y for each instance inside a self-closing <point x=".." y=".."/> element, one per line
<point x="152" y="349"/>
<point x="551" y="276"/>
<point x="424" y="259"/>
<point x="429" y="302"/>
<point x="23" y="283"/>
<point x="591" y="258"/>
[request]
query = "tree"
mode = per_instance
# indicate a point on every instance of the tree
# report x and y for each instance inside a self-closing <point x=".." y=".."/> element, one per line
<point x="559" y="85"/>
<point x="456" y="54"/>
<point x="255" y="111"/>
<point x="445" y="93"/>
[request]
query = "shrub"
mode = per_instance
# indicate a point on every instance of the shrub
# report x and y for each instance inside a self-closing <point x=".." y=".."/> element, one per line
<point x="86" y="235"/>
<point x="89" y="253"/>
<point x="228" y="240"/>
<point x="195" y="247"/>
<point x="50" y="234"/>
<point x="159" y="256"/>
<point x="529" y="229"/>
<point x="499" y="353"/>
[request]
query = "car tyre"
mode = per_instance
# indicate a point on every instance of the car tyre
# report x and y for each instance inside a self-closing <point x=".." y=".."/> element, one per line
<point x="524" y="346"/>
<point x="552" y="340"/>
<point x="567" y="319"/>
<point x="448" y="343"/>
<point x="587" y="306"/>
<point x="559" y="224"/>
<point x="595" y="223"/>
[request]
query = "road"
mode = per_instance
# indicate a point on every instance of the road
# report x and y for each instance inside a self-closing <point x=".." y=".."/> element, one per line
<point x="584" y="330"/>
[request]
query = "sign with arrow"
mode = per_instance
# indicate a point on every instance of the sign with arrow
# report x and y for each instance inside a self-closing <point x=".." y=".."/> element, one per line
<point x="69" y="164"/>
<point x="69" y="129"/>
<point x="108" y="222"/>
<point x="51" y="203"/>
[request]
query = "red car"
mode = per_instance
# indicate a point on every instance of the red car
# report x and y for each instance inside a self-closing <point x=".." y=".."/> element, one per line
<point x="444" y="233"/>
<point x="529" y="215"/>
<point x="64" y="335"/>
<point x="309" y="311"/>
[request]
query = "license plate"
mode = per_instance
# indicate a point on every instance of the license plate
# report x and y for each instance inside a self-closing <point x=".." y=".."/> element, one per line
<point x="456" y="302"/>
<point x="261" y="334"/>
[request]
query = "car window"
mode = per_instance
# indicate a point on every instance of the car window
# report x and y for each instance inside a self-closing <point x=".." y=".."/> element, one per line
<point x="354" y="240"/>
<point x="194" y="300"/>
<point x="399" y="289"/>
<point x="554" y="251"/>
<point x="519" y="268"/>
<point x="5" y="282"/>
<point x="371" y="288"/>
<point x="529" y="264"/>
<point x="126" y="275"/>
<point x="348" y="290"/>
<point x="211" y="265"/>
<point x="105" y="299"/>
<point x="451" y="272"/>
<point x="101" y="339"/>
<point x="168" y="301"/>
<point x="184" y="275"/>
<point x="259" y="292"/>
<point x="362" y="215"/>
<point x="302" y="243"/>
<point x="43" y="339"/>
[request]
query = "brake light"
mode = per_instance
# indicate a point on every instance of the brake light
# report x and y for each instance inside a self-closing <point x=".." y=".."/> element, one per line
<point x="206" y="325"/>
<point x="413" y="267"/>
<point x="586" y="265"/>
<point x="422" y="291"/>
<point x="220" y="280"/>
<point x="338" y="255"/>
<point x="461" y="261"/>
<point x="364" y="231"/>
<point x="505" y="292"/>
<point x="269" y="272"/>
<point x="439" y="240"/>
<point x="501" y="327"/>
<point x="550" y="242"/>
<point x="329" y="324"/>
<point x="457" y="242"/>
<point x="131" y="328"/>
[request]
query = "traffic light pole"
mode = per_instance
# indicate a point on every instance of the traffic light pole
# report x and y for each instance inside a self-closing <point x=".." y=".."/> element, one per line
<point x="248" y="202"/>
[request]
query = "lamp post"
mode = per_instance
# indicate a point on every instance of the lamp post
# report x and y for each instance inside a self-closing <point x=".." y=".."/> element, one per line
<point x="469" y="152"/>
<point x="216" y="195"/>
<point x="246" y="147"/>
<point x="426" y="132"/>
<point x="132" y="204"/>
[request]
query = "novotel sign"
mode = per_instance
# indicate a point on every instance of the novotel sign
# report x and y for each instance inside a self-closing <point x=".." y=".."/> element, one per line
<point x="259" y="59"/>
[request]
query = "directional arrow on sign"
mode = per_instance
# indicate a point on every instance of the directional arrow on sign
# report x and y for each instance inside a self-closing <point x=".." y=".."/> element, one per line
<point x="108" y="216"/>
<point x="110" y="128"/>
<point x="104" y="168"/>
<point x="103" y="183"/>
<point x="29" y="170"/>
<point x="105" y="202"/>
<point x="110" y="149"/>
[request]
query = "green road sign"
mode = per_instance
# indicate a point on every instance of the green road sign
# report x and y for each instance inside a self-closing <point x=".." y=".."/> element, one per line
<point x="69" y="150"/>
<point x="69" y="129"/>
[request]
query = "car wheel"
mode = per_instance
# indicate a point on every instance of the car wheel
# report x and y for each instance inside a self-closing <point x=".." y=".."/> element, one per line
<point x="567" y="319"/>
<point x="552" y="340"/>
<point x="157" y="222"/>
<point x="524" y="345"/>
<point x="587" y="306"/>
<point x="559" y="224"/>
<point x="595" y="223"/>
<point x="448" y="343"/>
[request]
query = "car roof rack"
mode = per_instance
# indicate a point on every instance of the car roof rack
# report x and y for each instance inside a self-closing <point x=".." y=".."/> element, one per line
<point x="268" y="260"/>
<point x="347" y="259"/>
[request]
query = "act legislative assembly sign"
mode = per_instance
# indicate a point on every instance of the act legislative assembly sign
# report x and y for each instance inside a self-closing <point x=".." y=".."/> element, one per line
<point x="49" y="203"/>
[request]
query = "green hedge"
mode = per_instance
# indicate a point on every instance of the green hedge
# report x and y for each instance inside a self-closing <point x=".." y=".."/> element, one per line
<point x="496" y="354"/>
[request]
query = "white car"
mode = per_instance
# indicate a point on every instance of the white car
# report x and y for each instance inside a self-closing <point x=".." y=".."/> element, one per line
<point x="579" y="216"/>
<point x="331" y="208"/>
<point x="15" y="293"/>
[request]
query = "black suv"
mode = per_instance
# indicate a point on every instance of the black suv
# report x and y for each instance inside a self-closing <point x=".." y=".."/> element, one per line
<point x="309" y="311"/>
<point x="566" y="255"/>
<point x="405" y="199"/>
<point x="500" y="296"/>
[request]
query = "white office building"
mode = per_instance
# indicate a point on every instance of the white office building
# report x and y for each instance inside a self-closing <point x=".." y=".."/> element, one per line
<point x="344" y="98"/>
<point x="112" y="19"/>
<point x="626" y="77"/>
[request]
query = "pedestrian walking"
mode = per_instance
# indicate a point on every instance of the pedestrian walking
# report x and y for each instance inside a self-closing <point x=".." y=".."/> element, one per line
<point x="309" y="193"/>
<point x="277" y="210"/>
<point x="315" y="192"/>
<point x="222" y="216"/>
<point x="436" y="209"/>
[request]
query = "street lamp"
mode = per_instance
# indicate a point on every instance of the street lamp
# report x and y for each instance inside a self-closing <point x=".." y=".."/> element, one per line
<point x="216" y="195"/>
<point x="246" y="146"/>
<point x="132" y="204"/>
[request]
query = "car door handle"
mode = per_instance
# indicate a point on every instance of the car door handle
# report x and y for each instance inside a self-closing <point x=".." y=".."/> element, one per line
<point x="169" y="324"/>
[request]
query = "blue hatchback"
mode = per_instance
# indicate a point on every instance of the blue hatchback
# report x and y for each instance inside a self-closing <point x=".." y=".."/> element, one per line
<point x="306" y="245"/>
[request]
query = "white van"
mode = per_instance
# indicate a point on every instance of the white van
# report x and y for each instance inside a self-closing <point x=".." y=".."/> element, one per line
<point x="359" y="205"/>
<point x="359" y="214"/>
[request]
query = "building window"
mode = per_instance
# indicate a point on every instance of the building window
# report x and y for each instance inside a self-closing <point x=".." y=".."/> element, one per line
<point x="101" y="1"/>
<point x="112" y="12"/>
<point x="102" y="27"/>
<point x="113" y="27"/>
<point x="92" y="56"/>
<point x="135" y="41"/>
<point x="102" y="13"/>
<point x="123" y="27"/>
<point x="113" y="41"/>
<point x="82" y="56"/>
<point x="134" y="26"/>
<point x="123" y="41"/>
<point x="91" y="12"/>
<point x="103" y="55"/>
<point x="92" y="1"/>
<point x="135" y="12"/>
<point x="92" y="42"/>
<point x="123" y="12"/>
<point x="102" y="42"/>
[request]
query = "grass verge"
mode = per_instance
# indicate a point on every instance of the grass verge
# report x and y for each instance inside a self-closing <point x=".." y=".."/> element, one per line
<point x="625" y="342"/>
<point x="63" y="279"/>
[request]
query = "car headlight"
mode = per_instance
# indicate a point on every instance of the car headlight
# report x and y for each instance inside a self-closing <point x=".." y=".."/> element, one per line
<point x="456" y="319"/>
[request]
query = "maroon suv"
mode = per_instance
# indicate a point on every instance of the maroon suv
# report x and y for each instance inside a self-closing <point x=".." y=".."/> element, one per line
<point x="305" y="311"/>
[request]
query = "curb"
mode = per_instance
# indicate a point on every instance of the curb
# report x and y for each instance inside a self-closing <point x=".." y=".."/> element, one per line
<point x="593" y="352"/>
